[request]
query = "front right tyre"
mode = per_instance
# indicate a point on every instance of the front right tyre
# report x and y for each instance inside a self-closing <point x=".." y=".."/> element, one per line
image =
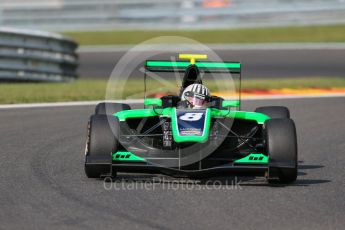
<point x="102" y="141"/>
<point x="109" y="108"/>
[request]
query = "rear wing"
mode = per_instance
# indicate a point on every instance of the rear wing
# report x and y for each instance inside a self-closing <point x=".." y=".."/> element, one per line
<point x="204" y="66"/>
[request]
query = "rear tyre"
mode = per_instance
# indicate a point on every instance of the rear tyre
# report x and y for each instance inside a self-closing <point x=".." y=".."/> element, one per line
<point x="274" y="111"/>
<point x="281" y="146"/>
<point x="102" y="141"/>
<point x="106" y="108"/>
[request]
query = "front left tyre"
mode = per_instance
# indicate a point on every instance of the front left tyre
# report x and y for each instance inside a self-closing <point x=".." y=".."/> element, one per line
<point x="102" y="141"/>
<point x="274" y="111"/>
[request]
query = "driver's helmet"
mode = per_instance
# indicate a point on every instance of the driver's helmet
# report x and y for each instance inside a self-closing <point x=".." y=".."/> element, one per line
<point x="195" y="96"/>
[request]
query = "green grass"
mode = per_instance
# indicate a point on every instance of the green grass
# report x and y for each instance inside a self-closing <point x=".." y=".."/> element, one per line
<point x="79" y="90"/>
<point x="324" y="33"/>
<point x="84" y="90"/>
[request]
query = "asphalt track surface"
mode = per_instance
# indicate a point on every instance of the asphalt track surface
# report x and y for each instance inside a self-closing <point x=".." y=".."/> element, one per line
<point x="43" y="185"/>
<point x="269" y="63"/>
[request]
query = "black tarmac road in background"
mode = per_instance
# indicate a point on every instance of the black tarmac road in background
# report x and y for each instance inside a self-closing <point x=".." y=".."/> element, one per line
<point x="270" y="63"/>
<point x="43" y="186"/>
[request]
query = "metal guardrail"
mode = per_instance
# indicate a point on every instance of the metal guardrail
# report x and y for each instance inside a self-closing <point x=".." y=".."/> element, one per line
<point x="167" y="14"/>
<point x="36" y="56"/>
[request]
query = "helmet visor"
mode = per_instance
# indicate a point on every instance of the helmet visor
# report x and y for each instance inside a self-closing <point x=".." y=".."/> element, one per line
<point x="196" y="100"/>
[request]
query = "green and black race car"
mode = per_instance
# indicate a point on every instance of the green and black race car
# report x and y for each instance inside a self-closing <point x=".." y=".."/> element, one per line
<point x="171" y="136"/>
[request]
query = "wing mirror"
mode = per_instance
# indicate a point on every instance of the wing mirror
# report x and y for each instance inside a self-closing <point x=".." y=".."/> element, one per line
<point x="228" y="103"/>
<point x="153" y="102"/>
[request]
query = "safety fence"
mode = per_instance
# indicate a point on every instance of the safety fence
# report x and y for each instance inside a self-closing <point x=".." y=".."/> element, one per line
<point x="36" y="56"/>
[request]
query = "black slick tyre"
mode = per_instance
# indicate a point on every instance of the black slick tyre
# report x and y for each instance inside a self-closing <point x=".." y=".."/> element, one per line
<point x="107" y="108"/>
<point x="102" y="141"/>
<point x="274" y="111"/>
<point x="281" y="146"/>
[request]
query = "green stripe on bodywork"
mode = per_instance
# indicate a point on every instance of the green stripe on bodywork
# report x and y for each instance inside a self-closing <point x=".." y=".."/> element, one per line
<point x="253" y="158"/>
<point x="141" y="113"/>
<point x="254" y="116"/>
<point x="126" y="156"/>
<point x="185" y="64"/>
<point x="216" y="113"/>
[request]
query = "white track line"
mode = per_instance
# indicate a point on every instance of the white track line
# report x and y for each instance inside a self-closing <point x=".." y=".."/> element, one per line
<point x="140" y="101"/>
<point x="271" y="46"/>
<point x="64" y="104"/>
